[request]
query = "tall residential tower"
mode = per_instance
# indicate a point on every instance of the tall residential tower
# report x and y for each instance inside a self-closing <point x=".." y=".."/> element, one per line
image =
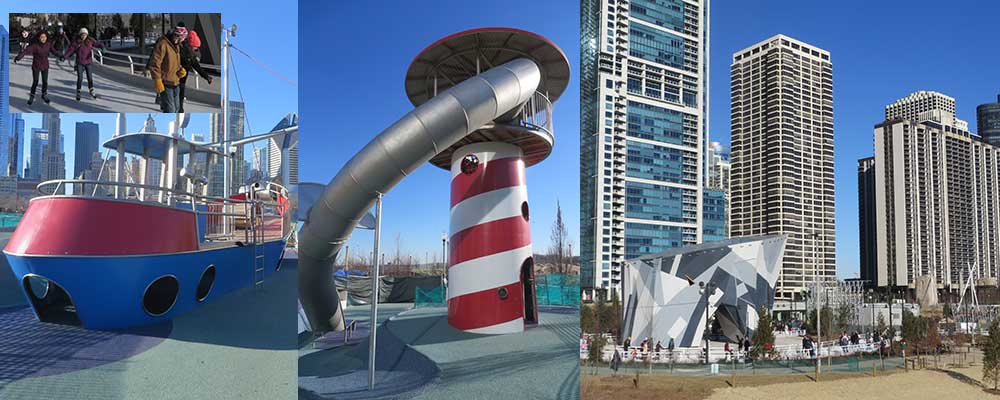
<point x="935" y="208"/>
<point x="782" y="155"/>
<point x="644" y="117"/>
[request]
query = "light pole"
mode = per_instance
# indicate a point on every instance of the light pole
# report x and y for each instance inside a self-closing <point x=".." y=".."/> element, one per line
<point x="444" y="250"/>
<point x="375" y="291"/>
<point x="819" y="324"/>
<point x="706" y="293"/>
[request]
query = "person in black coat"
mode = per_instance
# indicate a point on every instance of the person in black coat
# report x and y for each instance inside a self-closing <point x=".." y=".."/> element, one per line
<point x="191" y="61"/>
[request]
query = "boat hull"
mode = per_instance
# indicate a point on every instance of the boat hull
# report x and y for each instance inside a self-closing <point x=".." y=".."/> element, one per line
<point x="108" y="292"/>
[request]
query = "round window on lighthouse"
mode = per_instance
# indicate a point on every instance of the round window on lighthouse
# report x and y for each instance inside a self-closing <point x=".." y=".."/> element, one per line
<point x="469" y="164"/>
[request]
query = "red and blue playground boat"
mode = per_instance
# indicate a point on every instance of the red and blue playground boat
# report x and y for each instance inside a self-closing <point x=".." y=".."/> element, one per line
<point x="124" y="252"/>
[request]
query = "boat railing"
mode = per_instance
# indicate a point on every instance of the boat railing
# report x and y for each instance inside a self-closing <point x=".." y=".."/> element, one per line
<point x="251" y="217"/>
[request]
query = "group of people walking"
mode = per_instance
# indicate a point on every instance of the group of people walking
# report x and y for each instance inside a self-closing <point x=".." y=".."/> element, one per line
<point x="174" y="55"/>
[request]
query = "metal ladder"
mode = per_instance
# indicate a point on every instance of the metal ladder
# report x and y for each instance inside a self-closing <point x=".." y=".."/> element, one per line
<point x="258" y="244"/>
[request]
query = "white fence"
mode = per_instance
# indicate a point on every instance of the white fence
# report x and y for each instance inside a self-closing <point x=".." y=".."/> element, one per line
<point x="697" y="354"/>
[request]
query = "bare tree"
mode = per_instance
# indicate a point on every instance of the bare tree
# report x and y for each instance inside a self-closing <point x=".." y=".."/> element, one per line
<point x="398" y="258"/>
<point x="559" y="241"/>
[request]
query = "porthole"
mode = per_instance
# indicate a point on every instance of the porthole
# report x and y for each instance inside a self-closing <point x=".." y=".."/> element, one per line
<point x="524" y="211"/>
<point x="37" y="286"/>
<point x="161" y="295"/>
<point x="205" y="284"/>
<point x="502" y="292"/>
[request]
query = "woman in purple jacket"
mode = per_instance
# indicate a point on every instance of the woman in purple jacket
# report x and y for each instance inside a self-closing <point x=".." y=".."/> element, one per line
<point x="83" y="49"/>
<point x="39" y="52"/>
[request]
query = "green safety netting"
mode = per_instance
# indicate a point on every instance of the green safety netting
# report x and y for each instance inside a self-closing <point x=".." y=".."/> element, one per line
<point x="550" y="290"/>
<point x="558" y="289"/>
<point x="429" y="297"/>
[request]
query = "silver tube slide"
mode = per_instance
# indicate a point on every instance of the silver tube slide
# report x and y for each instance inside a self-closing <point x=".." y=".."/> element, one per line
<point x="387" y="159"/>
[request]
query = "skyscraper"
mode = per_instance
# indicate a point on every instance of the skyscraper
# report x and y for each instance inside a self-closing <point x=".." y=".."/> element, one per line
<point x="154" y="168"/>
<point x="87" y="137"/>
<point x="988" y="122"/>
<point x="644" y="113"/>
<point x="14" y="147"/>
<point x="39" y="141"/>
<point x="718" y="182"/>
<point x="7" y="141"/>
<point x="782" y="155"/>
<point x="719" y="167"/>
<point x="935" y="208"/>
<point x="283" y="154"/>
<point x="52" y="122"/>
<point x="866" y="220"/>
<point x="199" y="161"/>
<point x="258" y="166"/>
<point x="237" y="121"/>
<point x="926" y="105"/>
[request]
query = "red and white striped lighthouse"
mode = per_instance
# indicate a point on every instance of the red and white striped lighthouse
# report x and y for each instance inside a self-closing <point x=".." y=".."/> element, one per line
<point x="491" y="277"/>
<point x="490" y="240"/>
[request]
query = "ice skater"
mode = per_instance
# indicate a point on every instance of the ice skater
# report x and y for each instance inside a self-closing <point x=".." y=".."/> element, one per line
<point x="83" y="52"/>
<point x="166" y="71"/>
<point x="191" y="61"/>
<point x="39" y="51"/>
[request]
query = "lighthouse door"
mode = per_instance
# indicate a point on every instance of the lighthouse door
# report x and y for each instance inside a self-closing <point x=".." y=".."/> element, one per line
<point x="528" y="286"/>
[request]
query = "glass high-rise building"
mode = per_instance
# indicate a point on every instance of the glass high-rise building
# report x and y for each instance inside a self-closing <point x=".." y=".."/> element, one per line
<point x="867" y="234"/>
<point x="644" y="124"/>
<point x="988" y="122"/>
<point x="15" y="147"/>
<point x="782" y="155"/>
<point x="6" y="120"/>
<point x="237" y="121"/>
<point x="85" y="145"/>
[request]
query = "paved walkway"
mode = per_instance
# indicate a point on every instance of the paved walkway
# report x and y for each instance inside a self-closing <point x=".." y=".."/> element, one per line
<point x="240" y="346"/>
<point x="112" y="96"/>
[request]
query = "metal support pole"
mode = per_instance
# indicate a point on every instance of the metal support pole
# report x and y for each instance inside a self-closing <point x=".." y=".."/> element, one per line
<point x="707" y="344"/>
<point x="227" y="170"/>
<point x="375" y="290"/>
<point x="819" y="322"/>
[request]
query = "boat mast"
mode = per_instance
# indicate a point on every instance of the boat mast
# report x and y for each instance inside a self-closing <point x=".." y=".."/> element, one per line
<point x="226" y="159"/>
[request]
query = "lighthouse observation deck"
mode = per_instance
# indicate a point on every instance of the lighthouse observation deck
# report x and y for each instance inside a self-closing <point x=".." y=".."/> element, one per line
<point x="463" y="55"/>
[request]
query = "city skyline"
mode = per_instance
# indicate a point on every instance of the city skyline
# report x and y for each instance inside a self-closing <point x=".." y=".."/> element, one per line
<point x="872" y="69"/>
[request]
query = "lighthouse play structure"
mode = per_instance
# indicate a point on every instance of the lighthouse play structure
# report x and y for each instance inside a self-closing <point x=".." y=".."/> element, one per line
<point x="483" y="112"/>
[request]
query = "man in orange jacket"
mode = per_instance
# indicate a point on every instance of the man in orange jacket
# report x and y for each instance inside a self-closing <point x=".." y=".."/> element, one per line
<point x="166" y="71"/>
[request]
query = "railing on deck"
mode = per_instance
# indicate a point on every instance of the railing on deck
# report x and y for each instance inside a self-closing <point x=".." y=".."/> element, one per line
<point x="138" y="62"/>
<point x="225" y="218"/>
<point x="535" y="114"/>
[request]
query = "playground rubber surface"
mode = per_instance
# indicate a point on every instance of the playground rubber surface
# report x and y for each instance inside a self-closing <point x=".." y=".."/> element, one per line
<point x="421" y="357"/>
<point x="239" y="346"/>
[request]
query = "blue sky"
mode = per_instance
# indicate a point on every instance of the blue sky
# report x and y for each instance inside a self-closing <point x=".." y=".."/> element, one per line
<point x="268" y="30"/>
<point x="881" y="51"/>
<point x="355" y="55"/>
